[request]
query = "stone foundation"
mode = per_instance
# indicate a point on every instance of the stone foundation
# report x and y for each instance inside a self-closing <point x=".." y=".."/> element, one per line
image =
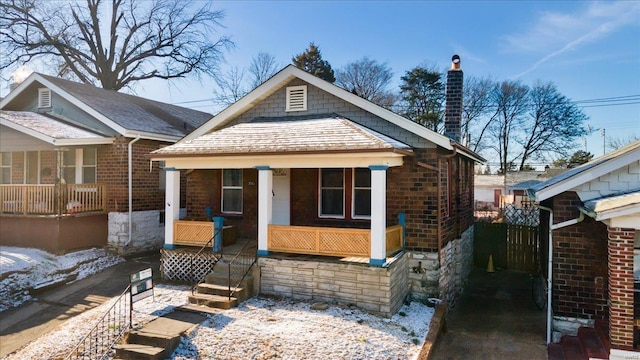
<point x="147" y="232"/>
<point x="563" y="325"/>
<point x="380" y="290"/>
<point x="428" y="277"/>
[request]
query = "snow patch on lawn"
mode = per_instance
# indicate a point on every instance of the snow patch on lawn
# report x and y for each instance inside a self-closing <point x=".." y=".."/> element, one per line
<point x="262" y="328"/>
<point x="22" y="269"/>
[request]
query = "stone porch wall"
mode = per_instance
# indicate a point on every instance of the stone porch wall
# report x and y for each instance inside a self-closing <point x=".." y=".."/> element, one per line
<point x="380" y="290"/>
<point x="147" y="233"/>
<point x="430" y="278"/>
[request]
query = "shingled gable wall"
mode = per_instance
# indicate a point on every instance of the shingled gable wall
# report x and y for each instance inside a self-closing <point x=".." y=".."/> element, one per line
<point x="412" y="189"/>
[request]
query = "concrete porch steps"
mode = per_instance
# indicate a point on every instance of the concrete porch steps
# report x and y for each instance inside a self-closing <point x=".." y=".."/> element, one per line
<point x="214" y="292"/>
<point x="588" y="344"/>
<point x="157" y="339"/>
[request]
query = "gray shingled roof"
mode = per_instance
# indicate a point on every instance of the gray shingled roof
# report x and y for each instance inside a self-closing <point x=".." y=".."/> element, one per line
<point x="46" y="126"/>
<point x="133" y="112"/>
<point x="270" y="136"/>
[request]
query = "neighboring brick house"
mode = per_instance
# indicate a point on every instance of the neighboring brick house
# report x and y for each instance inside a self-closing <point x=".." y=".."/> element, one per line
<point x="72" y="153"/>
<point x="594" y="210"/>
<point x="302" y="166"/>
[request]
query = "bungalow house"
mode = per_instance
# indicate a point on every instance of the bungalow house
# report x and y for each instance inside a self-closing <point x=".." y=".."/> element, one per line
<point x="343" y="199"/>
<point x="591" y="218"/>
<point x="73" y="164"/>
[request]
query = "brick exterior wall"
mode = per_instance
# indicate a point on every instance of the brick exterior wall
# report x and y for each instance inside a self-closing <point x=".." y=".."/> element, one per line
<point x="112" y="170"/>
<point x="579" y="269"/>
<point x="620" y="255"/>
<point x="453" y="107"/>
<point x="204" y="189"/>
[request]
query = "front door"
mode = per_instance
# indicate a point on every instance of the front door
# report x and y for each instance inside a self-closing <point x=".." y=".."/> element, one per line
<point x="281" y="196"/>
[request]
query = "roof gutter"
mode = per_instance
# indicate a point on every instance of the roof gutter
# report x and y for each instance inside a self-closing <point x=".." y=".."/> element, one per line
<point x="130" y="183"/>
<point x="552" y="227"/>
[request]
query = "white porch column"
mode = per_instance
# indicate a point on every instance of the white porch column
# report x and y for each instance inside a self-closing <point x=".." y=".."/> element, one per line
<point x="265" y="204"/>
<point x="378" y="214"/>
<point x="172" y="205"/>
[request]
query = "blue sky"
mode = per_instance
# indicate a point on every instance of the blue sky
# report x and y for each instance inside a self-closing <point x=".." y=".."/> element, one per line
<point x="589" y="49"/>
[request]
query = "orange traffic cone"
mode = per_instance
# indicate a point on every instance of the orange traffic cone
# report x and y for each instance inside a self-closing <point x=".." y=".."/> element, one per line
<point x="490" y="264"/>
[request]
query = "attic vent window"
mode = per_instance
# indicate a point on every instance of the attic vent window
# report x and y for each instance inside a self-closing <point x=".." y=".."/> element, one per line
<point x="296" y="98"/>
<point x="44" y="98"/>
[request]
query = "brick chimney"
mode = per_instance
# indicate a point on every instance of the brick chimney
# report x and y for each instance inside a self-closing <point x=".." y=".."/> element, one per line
<point x="453" y="102"/>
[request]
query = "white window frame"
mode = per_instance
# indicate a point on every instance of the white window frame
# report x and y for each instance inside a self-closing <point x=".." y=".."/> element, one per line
<point x="4" y="166"/>
<point x="231" y="187"/>
<point x="295" y="89"/>
<point x="320" y="188"/>
<point x="80" y="166"/>
<point x="44" y="98"/>
<point x="353" y="195"/>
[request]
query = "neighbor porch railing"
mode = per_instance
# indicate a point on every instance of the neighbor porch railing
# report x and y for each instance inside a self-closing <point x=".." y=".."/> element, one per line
<point x="329" y="241"/>
<point x="53" y="199"/>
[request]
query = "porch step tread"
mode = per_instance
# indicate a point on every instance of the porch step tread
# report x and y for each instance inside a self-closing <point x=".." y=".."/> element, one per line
<point x="137" y="351"/>
<point x="591" y="343"/>
<point x="141" y="337"/>
<point x="200" y="309"/>
<point x="602" y="328"/>
<point x="572" y="348"/>
<point x="217" y="301"/>
<point x="217" y="289"/>
<point x="555" y="352"/>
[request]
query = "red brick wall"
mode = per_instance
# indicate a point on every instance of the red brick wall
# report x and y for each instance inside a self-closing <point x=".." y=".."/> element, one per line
<point x="203" y="189"/>
<point x="621" y="315"/>
<point x="17" y="167"/>
<point x="112" y="170"/>
<point x="579" y="262"/>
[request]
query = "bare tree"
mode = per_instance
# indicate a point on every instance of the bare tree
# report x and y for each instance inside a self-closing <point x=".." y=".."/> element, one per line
<point x="476" y="105"/>
<point x="230" y="86"/>
<point x="553" y="125"/>
<point x="615" y="143"/>
<point x="262" y="67"/>
<point x="368" y="79"/>
<point x="113" y="44"/>
<point x="510" y="101"/>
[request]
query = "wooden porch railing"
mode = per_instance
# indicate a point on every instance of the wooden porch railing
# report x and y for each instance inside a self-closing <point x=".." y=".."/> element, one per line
<point x="329" y="241"/>
<point x="53" y="199"/>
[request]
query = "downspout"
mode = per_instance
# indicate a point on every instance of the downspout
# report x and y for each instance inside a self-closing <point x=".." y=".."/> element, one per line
<point x="130" y="183"/>
<point x="552" y="227"/>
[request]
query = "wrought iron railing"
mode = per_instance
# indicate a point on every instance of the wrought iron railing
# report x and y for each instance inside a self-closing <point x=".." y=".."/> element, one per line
<point x="196" y="271"/>
<point x="239" y="267"/>
<point x="98" y="343"/>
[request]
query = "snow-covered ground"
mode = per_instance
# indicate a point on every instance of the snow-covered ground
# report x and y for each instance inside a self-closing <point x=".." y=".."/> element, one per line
<point x="259" y="328"/>
<point x="262" y="328"/>
<point x="22" y="269"/>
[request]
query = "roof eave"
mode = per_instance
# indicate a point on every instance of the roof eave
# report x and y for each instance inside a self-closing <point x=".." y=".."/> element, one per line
<point x="156" y="155"/>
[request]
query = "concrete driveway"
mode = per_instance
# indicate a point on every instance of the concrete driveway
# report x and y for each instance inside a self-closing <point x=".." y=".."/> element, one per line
<point x="21" y="325"/>
<point x="495" y="318"/>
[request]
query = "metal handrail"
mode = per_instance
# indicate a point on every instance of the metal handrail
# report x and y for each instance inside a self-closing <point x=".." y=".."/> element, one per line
<point x="218" y="256"/>
<point x="240" y="255"/>
<point x="107" y="332"/>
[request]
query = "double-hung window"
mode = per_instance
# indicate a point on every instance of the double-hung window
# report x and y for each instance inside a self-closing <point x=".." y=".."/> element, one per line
<point x="332" y="193"/>
<point x="361" y="207"/>
<point x="5" y="168"/>
<point x="79" y="166"/>
<point x="232" y="191"/>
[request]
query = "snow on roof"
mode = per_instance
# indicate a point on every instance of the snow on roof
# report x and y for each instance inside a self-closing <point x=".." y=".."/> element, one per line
<point x="133" y="112"/>
<point x="586" y="172"/>
<point x="45" y="126"/>
<point x="328" y="133"/>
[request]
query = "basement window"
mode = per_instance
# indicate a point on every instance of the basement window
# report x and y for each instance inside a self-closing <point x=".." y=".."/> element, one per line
<point x="296" y="98"/>
<point x="44" y="98"/>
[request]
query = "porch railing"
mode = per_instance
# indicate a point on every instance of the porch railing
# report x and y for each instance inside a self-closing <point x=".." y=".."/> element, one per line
<point x="53" y="199"/>
<point x="329" y="241"/>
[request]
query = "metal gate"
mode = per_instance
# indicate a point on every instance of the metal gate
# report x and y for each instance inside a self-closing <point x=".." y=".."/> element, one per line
<point x="513" y="244"/>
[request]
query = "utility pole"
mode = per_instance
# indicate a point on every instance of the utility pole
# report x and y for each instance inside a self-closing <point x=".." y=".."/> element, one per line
<point x="604" y="142"/>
